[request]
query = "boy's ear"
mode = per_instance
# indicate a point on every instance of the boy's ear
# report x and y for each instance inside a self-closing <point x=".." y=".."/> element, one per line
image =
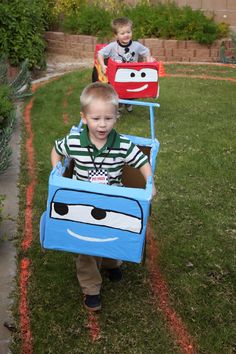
<point x="83" y="117"/>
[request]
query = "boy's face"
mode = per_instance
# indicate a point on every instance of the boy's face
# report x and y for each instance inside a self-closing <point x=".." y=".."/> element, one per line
<point x="124" y="34"/>
<point x="100" y="117"/>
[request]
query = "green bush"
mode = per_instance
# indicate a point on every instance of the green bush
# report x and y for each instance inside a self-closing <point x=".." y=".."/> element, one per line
<point x="9" y="92"/>
<point x="171" y="21"/>
<point x="92" y="20"/>
<point x="22" y="24"/>
<point x="6" y="105"/>
<point x="159" y="21"/>
<point x="223" y="30"/>
<point x="5" y="136"/>
<point x="7" y="118"/>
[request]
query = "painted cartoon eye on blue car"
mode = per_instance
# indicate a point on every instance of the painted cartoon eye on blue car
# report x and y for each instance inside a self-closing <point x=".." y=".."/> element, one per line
<point x="73" y="208"/>
<point x="95" y="223"/>
<point x="90" y="214"/>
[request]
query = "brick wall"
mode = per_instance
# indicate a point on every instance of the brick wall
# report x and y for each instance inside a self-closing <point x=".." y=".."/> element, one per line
<point x="78" y="46"/>
<point x="81" y="46"/>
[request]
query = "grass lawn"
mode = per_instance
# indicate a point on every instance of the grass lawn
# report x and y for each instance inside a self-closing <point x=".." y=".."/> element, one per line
<point x="193" y="218"/>
<point x="198" y="69"/>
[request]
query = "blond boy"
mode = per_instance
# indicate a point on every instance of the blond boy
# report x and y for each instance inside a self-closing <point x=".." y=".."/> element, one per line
<point x="92" y="150"/>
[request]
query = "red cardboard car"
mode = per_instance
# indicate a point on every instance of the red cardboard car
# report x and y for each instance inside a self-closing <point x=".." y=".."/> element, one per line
<point x="130" y="80"/>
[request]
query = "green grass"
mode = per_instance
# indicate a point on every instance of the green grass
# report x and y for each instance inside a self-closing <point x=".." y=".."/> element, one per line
<point x="193" y="218"/>
<point x="195" y="214"/>
<point x="199" y="69"/>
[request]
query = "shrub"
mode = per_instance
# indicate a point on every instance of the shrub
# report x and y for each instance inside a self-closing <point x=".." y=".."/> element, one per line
<point x="9" y="92"/>
<point x="161" y="21"/>
<point x="65" y="8"/>
<point x="171" y="21"/>
<point x="223" y="30"/>
<point x="92" y="20"/>
<point x="22" y="25"/>
<point x="5" y="136"/>
<point x="226" y="58"/>
<point x="6" y="105"/>
<point x="6" y="125"/>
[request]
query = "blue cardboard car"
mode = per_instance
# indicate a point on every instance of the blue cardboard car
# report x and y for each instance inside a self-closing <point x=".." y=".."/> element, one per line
<point x="99" y="219"/>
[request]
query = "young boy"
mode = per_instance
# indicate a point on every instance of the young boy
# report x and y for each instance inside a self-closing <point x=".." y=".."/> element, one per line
<point x="101" y="148"/>
<point x="124" y="49"/>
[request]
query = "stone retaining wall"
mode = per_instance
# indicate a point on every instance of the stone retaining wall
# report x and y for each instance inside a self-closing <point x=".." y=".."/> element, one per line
<point x="82" y="46"/>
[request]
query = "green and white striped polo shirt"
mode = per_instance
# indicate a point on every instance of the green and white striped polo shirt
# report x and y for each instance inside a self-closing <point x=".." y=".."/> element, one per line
<point x="122" y="151"/>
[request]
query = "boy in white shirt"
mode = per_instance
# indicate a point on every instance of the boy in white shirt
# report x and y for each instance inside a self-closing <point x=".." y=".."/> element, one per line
<point x="124" y="49"/>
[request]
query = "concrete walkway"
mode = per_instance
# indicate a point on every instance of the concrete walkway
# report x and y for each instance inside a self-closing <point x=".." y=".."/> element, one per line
<point x="8" y="228"/>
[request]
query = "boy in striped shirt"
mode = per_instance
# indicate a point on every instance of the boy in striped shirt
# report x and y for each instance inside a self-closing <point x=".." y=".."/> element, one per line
<point x="99" y="154"/>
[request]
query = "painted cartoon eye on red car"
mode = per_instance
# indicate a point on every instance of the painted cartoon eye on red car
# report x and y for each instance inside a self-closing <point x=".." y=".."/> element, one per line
<point x="132" y="75"/>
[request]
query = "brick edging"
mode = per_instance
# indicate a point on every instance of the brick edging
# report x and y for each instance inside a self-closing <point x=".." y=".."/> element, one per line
<point x="83" y="46"/>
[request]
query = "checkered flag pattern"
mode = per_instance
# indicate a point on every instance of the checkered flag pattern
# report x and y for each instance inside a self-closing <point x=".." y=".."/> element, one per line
<point x="98" y="176"/>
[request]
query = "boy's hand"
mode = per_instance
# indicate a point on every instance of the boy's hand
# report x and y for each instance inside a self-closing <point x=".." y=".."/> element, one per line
<point x="146" y="172"/>
<point x="104" y="69"/>
<point x="151" y="59"/>
<point x="55" y="157"/>
<point x="154" y="191"/>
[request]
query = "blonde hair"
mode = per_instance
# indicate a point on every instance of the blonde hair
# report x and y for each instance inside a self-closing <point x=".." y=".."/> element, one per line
<point x="98" y="90"/>
<point x="120" y="22"/>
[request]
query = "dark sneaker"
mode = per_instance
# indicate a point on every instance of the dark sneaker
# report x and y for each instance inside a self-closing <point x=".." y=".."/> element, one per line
<point x="121" y="108"/>
<point x="115" y="274"/>
<point x="92" y="302"/>
<point x="129" y="108"/>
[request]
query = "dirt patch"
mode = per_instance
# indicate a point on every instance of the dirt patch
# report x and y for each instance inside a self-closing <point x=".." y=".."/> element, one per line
<point x="61" y="64"/>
